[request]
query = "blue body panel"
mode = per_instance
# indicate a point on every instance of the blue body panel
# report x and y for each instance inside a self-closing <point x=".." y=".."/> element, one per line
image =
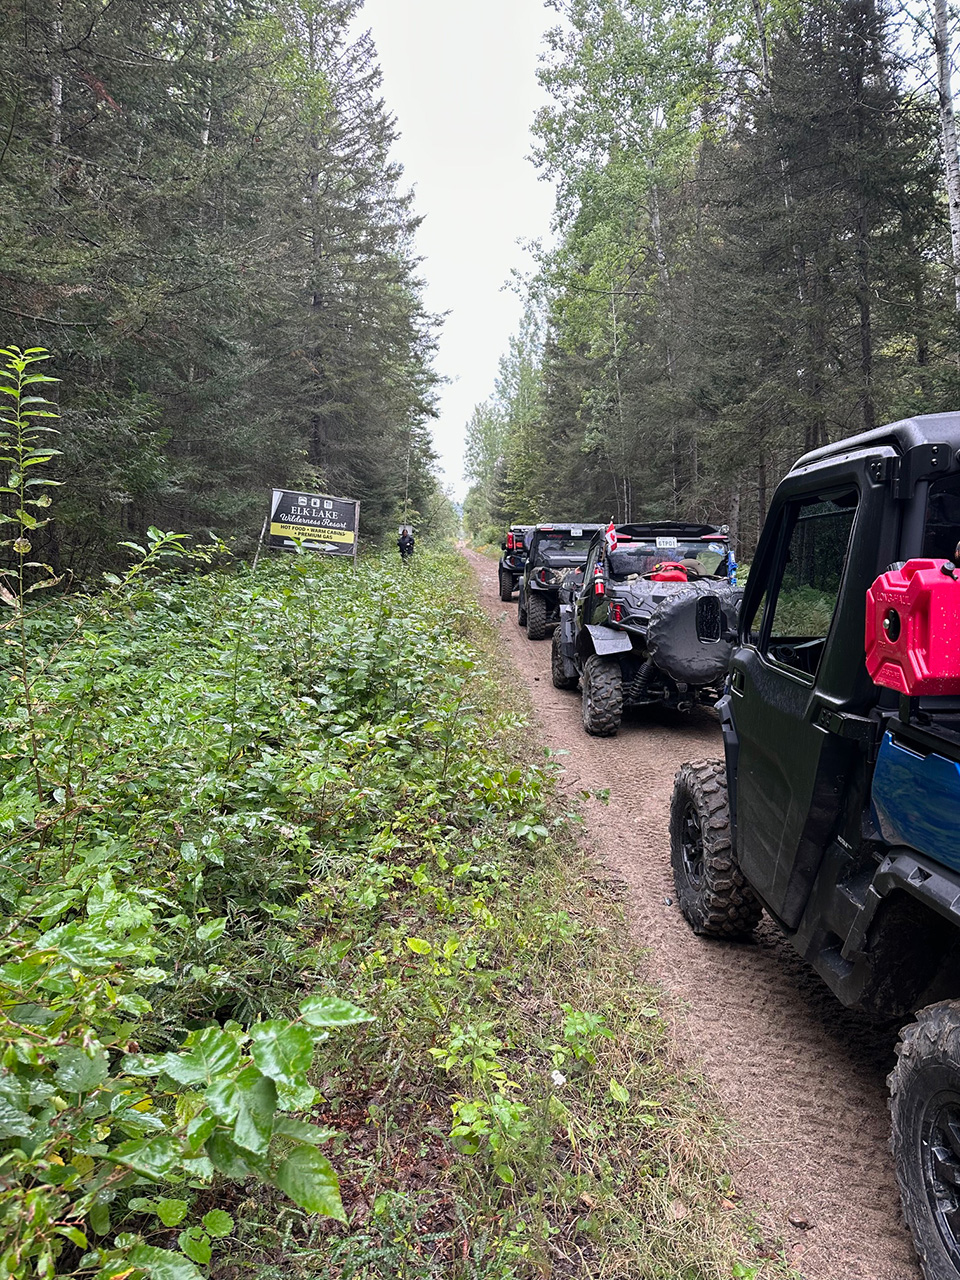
<point x="916" y="801"/>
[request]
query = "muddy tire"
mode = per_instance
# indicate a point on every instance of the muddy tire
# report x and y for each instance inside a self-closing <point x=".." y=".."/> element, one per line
<point x="536" y="617"/>
<point x="925" y="1135"/>
<point x="506" y="586"/>
<point x="713" y="895"/>
<point x="557" y="673"/>
<point x="602" y="685"/>
<point x="521" y="611"/>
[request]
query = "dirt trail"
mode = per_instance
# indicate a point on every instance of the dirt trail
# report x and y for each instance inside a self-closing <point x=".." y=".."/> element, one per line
<point x="802" y="1078"/>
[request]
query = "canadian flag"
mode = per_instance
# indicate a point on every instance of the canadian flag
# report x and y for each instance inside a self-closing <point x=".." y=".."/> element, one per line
<point x="610" y="537"/>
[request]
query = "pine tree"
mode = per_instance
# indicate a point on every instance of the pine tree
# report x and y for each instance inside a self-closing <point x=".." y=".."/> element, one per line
<point x="198" y="214"/>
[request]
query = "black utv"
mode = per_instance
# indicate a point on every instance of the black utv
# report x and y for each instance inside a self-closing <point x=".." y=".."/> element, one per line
<point x="514" y="547"/>
<point x="557" y="551"/>
<point x="653" y="622"/>
<point x="836" y="807"/>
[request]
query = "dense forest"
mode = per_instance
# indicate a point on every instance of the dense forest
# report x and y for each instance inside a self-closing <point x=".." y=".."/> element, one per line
<point x="200" y="218"/>
<point x="753" y="256"/>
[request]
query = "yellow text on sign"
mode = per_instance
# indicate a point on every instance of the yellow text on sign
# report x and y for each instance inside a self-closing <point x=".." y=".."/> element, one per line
<point x="311" y="533"/>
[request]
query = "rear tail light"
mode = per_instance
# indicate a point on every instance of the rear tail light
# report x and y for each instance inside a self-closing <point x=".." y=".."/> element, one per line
<point x="616" y="613"/>
<point x="510" y="545"/>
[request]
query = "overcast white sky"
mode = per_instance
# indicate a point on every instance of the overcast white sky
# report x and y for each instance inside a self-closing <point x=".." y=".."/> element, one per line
<point x="460" y="77"/>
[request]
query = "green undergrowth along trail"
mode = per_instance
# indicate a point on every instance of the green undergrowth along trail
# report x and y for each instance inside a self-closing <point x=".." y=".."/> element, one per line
<point x="301" y="974"/>
<point x="492" y="550"/>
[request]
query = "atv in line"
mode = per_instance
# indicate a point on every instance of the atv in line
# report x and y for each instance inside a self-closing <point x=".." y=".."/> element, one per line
<point x="557" y="551"/>
<point x="836" y="807"/>
<point x="652" y="622"/>
<point x="510" y="569"/>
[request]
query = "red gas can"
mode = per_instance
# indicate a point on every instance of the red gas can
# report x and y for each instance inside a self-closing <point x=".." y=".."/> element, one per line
<point x="912" y="639"/>
<point x="669" y="571"/>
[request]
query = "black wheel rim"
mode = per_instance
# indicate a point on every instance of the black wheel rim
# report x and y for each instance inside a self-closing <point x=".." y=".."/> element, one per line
<point x="940" y="1158"/>
<point x="691" y="847"/>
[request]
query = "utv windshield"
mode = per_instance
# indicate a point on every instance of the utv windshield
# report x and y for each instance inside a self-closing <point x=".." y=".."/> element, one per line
<point x="561" y="550"/>
<point x="700" y="559"/>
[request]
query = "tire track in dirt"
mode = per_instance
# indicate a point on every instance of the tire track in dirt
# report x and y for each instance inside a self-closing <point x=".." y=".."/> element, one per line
<point x="801" y="1078"/>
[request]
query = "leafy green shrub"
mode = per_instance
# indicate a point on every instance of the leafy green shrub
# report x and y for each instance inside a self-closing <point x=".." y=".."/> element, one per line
<point x="177" y="881"/>
<point x="101" y="909"/>
<point x="804" y="611"/>
<point x="490" y="535"/>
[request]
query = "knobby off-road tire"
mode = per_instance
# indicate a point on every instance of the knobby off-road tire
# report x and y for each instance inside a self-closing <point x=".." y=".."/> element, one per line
<point x="602" y="696"/>
<point x="560" y="679"/>
<point x="536" y="617"/>
<point x="712" y="893"/>
<point x="521" y="611"/>
<point x="506" y="585"/>
<point x="925" y="1135"/>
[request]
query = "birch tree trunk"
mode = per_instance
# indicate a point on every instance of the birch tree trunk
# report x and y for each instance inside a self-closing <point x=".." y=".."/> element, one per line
<point x="622" y="449"/>
<point x="666" y="316"/>
<point x="941" y="44"/>
<point x="760" y="20"/>
<point x="208" y="108"/>
<point x="56" y="93"/>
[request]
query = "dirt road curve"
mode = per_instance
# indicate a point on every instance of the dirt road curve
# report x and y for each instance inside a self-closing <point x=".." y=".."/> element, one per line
<point x="802" y="1078"/>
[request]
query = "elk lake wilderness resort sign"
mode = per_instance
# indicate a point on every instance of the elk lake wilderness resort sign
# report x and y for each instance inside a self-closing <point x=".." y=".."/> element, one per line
<point x="321" y="522"/>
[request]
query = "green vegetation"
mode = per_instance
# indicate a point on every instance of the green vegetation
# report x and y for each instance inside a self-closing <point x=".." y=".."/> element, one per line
<point x="754" y="258"/>
<point x="199" y="213"/>
<point x="804" y="612"/>
<point x="277" y="876"/>
<point x="118" y="1068"/>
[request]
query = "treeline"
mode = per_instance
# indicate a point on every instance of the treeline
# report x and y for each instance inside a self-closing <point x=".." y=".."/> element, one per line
<point x="753" y="258"/>
<point x="199" y="216"/>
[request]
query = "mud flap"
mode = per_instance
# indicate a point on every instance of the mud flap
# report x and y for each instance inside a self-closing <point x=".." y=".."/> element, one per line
<point x="606" y="640"/>
<point x="567" y="643"/>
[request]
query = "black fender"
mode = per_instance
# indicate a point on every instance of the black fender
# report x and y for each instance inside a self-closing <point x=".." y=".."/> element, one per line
<point x="568" y="632"/>
<point x="731" y="753"/>
<point x="931" y="883"/>
<point x="877" y="937"/>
